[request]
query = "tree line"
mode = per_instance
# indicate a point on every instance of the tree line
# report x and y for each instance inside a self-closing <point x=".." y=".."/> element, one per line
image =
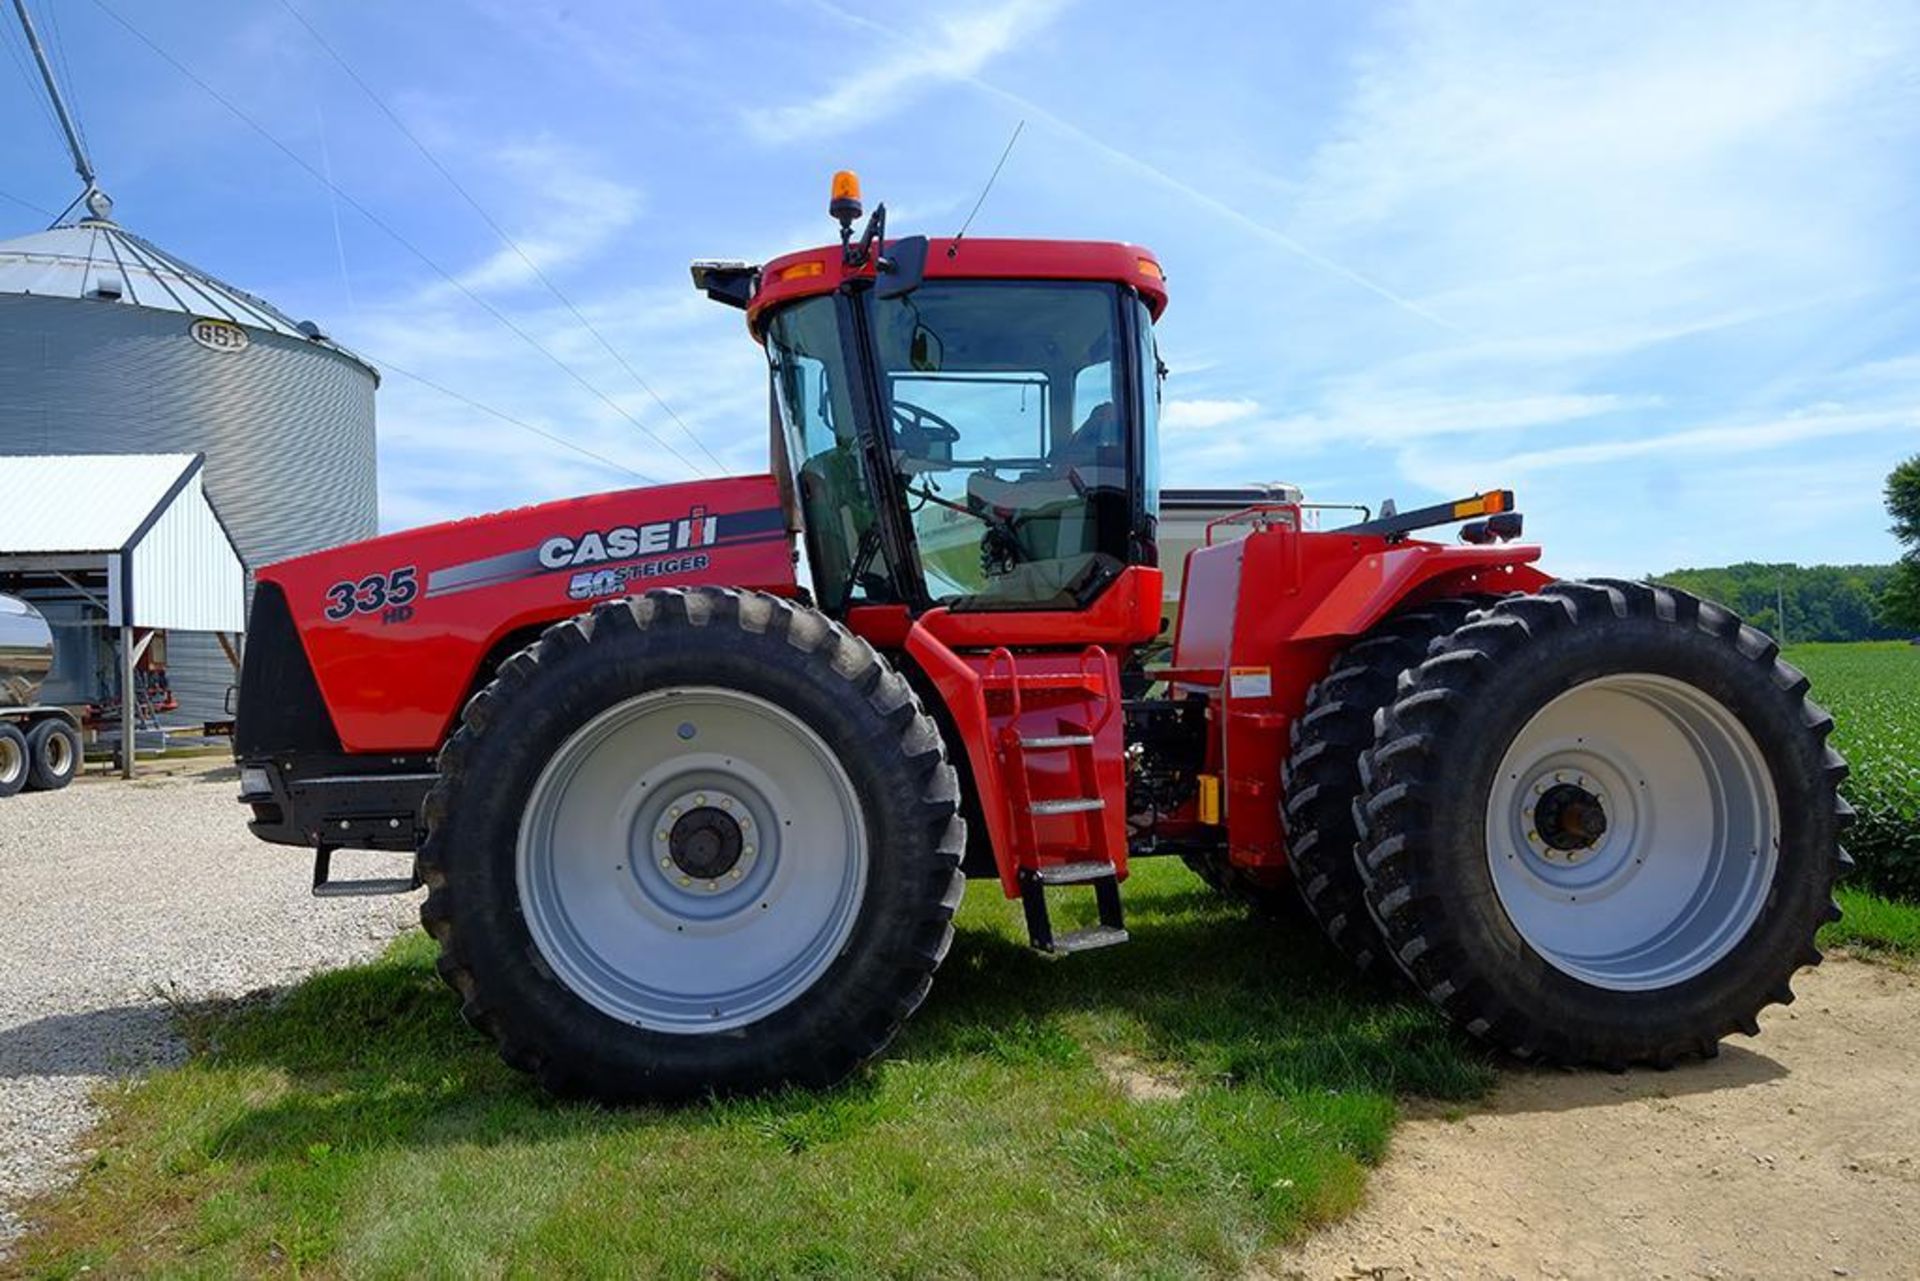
<point x="1828" y="602"/>
<point x="1822" y="602"/>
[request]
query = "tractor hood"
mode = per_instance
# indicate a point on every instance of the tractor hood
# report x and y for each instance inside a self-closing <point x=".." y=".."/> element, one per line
<point x="397" y="628"/>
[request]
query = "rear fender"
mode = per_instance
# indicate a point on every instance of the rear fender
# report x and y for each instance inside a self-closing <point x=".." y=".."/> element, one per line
<point x="1264" y="616"/>
<point x="1380" y="582"/>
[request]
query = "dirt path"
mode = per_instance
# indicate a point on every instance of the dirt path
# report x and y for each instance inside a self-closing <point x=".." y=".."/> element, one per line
<point x="1794" y="1155"/>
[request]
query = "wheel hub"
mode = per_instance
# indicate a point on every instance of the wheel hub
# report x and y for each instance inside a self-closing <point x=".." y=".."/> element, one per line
<point x="1568" y="818"/>
<point x="705" y="843"/>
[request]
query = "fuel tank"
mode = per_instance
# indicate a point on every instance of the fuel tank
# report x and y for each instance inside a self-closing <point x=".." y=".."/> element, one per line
<point x="26" y="652"/>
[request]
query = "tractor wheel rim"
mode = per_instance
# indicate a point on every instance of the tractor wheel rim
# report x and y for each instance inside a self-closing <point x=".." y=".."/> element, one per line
<point x="12" y="760"/>
<point x="1633" y="832"/>
<point x="59" y="755"/>
<point x="692" y="860"/>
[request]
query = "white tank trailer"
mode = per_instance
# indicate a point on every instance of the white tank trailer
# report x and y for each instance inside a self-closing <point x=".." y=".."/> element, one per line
<point x="39" y="745"/>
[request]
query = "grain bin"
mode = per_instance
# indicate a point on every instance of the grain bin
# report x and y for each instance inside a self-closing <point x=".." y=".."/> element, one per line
<point x="110" y="344"/>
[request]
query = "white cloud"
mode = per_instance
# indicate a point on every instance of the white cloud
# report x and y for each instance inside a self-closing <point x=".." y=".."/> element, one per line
<point x="1581" y="166"/>
<point x="1717" y="440"/>
<point x="1397" y="417"/>
<point x="581" y="213"/>
<point x="958" y="47"/>
<point x="1200" y="415"/>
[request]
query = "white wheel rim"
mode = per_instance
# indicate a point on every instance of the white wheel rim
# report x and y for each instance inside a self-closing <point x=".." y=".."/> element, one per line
<point x="1690" y="841"/>
<point x="59" y="755"/>
<point x="13" y="762"/>
<point x="605" y="851"/>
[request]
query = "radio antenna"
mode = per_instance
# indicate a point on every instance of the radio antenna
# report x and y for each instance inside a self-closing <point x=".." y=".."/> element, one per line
<point x="953" y="248"/>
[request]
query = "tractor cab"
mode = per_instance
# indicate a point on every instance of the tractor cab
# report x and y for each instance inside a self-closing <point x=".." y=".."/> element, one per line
<point x="969" y="425"/>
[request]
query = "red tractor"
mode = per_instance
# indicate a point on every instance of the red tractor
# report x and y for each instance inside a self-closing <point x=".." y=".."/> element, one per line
<point x="688" y="825"/>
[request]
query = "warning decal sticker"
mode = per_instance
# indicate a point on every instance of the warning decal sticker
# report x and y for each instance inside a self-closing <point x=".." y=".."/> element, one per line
<point x="1250" y="682"/>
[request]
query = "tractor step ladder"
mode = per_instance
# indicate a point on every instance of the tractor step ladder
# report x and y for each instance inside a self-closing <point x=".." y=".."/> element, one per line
<point x="324" y="886"/>
<point x="1097" y="869"/>
<point x="1104" y="878"/>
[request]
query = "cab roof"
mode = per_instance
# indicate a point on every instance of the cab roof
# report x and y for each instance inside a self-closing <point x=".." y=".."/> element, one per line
<point x="823" y="270"/>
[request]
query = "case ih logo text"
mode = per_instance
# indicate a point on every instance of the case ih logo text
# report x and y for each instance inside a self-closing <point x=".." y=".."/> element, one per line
<point x="624" y="542"/>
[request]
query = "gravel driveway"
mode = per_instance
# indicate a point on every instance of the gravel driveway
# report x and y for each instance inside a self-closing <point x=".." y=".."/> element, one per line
<point x="115" y="896"/>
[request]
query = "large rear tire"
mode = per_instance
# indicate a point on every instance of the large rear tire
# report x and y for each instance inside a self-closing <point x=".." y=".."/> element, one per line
<point x="1600" y="825"/>
<point x="697" y="841"/>
<point x="1321" y="776"/>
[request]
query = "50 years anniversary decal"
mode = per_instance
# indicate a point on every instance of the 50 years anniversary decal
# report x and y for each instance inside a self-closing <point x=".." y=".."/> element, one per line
<point x="604" y="561"/>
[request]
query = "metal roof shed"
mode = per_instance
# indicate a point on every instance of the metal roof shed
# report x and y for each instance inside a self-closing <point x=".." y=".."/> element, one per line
<point x="139" y="525"/>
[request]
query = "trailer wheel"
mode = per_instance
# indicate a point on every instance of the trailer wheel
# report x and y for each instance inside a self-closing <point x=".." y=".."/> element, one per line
<point x="14" y="760"/>
<point x="53" y="755"/>
<point x="1321" y="775"/>
<point x="1601" y="825"/>
<point x="696" y="841"/>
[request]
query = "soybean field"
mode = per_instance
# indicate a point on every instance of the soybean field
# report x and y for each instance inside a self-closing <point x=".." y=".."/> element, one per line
<point x="1873" y="691"/>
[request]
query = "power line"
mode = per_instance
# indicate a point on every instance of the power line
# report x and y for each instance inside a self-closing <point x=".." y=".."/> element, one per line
<point x="498" y="230"/>
<point x="27" y="204"/>
<point x="503" y="416"/>
<point x="35" y="90"/>
<point x="383" y="225"/>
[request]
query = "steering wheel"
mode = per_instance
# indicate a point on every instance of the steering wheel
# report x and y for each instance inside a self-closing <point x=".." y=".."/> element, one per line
<point x="919" y="427"/>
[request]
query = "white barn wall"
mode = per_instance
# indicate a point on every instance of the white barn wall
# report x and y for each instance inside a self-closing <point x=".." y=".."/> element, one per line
<point x="186" y="572"/>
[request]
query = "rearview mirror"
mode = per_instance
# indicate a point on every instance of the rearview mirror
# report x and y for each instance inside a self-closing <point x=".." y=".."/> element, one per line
<point x="902" y="268"/>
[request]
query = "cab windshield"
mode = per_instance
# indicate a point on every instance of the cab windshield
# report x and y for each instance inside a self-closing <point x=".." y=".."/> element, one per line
<point x="1005" y="433"/>
<point x="1004" y="403"/>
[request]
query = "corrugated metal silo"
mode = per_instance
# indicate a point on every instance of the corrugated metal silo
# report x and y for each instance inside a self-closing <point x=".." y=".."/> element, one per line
<point x="109" y="344"/>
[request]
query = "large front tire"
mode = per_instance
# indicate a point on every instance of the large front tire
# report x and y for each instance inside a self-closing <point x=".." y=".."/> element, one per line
<point x="1601" y="824"/>
<point x="697" y="841"/>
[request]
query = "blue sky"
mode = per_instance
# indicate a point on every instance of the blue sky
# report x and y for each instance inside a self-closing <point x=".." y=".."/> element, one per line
<point x="1653" y="266"/>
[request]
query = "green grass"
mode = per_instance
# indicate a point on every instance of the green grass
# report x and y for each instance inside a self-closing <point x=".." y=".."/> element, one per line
<point x="354" y="1125"/>
<point x="1873" y="691"/>
<point x="1875" y="927"/>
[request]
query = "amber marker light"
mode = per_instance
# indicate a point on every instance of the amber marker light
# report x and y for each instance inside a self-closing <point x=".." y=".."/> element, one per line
<point x="1487" y="504"/>
<point x="801" y="270"/>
